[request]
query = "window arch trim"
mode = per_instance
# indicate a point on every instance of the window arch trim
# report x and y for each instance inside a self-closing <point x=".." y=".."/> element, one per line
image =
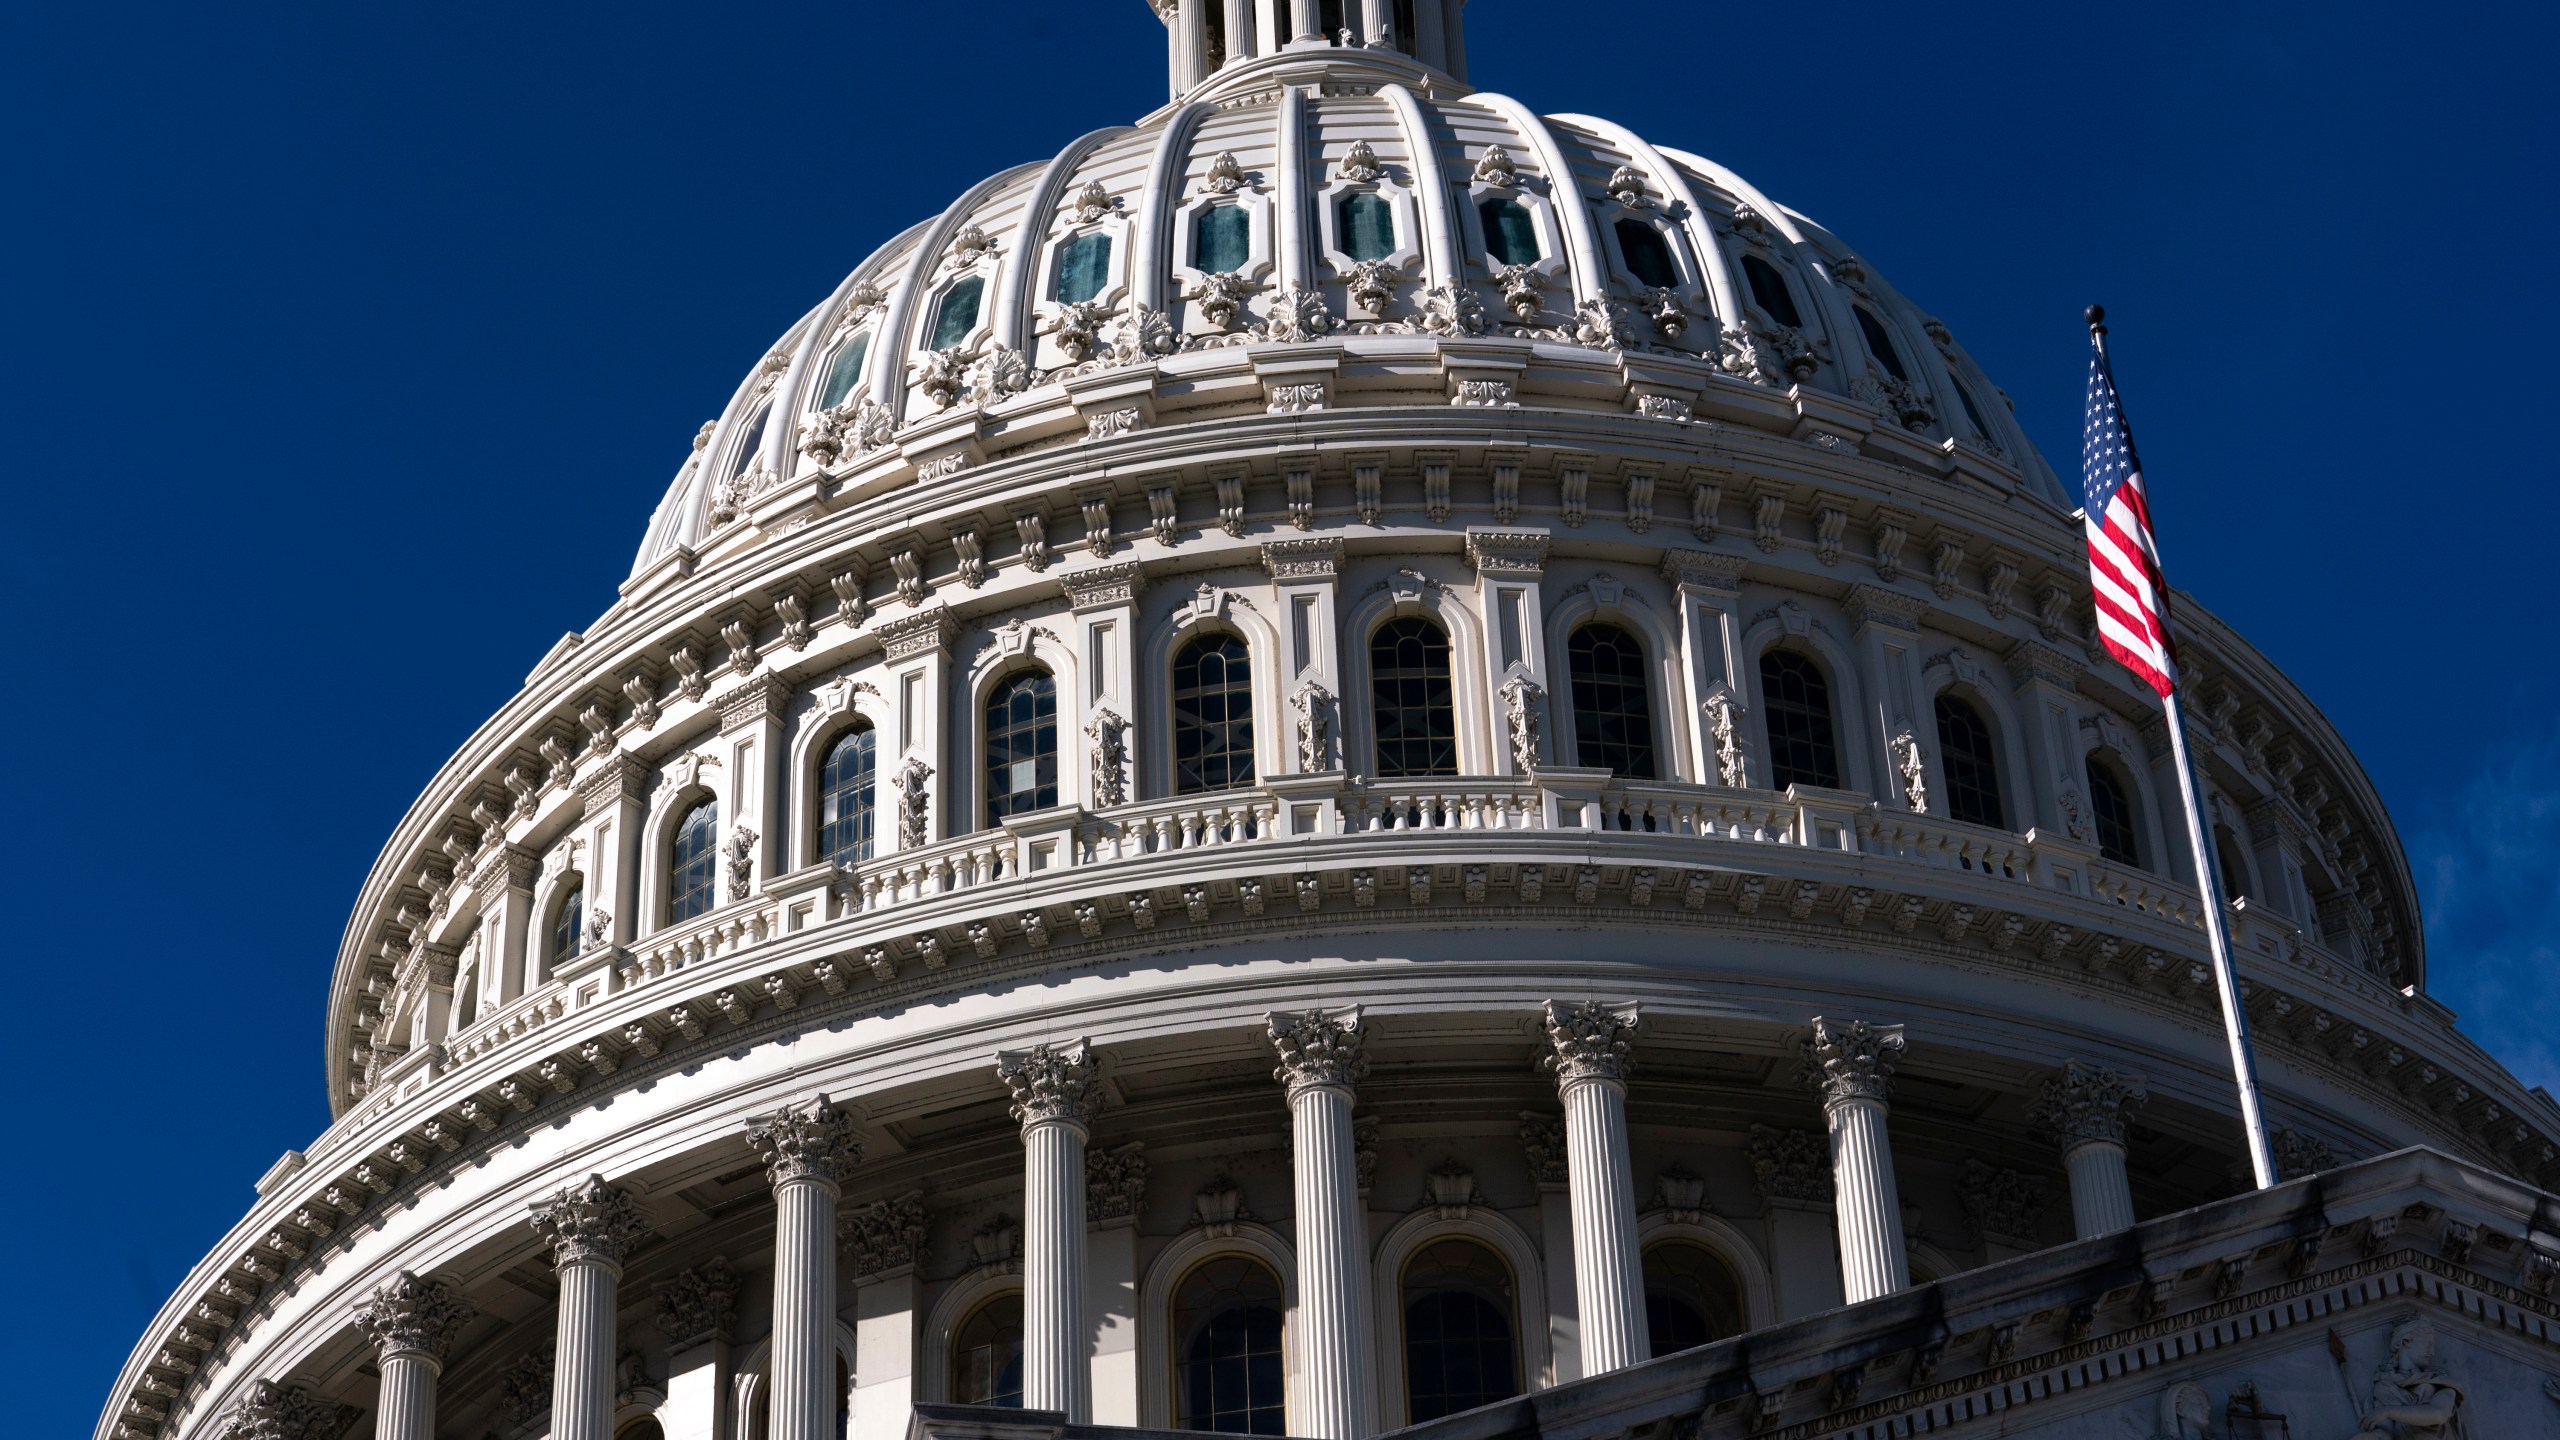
<point x="1471" y="689"/>
<point x="1722" y="1239"/>
<point x="1808" y="636"/>
<point x="1031" y="647"/>
<point x="750" y="1375"/>
<point x="1959" y="676"/>
<point x="1496" y="1232"/>
<point x="1273" y="753"/>
<point x="1673" y="743"/>
<point x="685" y="783"/>
<point x="1163" y="1281"/>
<point x="942" y="1327"/>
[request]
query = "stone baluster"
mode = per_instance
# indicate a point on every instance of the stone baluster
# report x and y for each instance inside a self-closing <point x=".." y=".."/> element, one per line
<point x="807" y="1149"/>
<point x="1322" y="1056"/>
<point x="1590" y="1064"/>
<point x="1851" y="1062"/>
<point x="412" y="1321"/>
<point x="2083" y="1109"/>
<point x="1053" y="1094"/>
<point x="590" y="1226"/>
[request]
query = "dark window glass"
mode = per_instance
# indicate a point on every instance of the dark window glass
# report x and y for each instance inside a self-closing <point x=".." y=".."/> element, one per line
<point x="753" y="442"/>
<point x="1212" y="715"/>
<point x="1411" y="699"/>
<point x="1368" y="226"/>
<point x="694" y="869"/>
<point x="1329" y="19"/>
<point x="986" y="1354"/>
<point x="1228" y="1371"/>
<point x="1022" y="746"/>
<point x="1458" y="1351"/>
<point x="844" y="371"/>
<point x="1881" y="343"/>
<point x="1510" y="236"/>
<point x="644" y="1428"/>
<point x="1217" y="28"/>
<point x="1690" y="1297"/>
<point x="569" y="924"/>
<point x="1648" y="254"/>
<point x="844" y="796"/>
<point x="1972" y="412"/>
<point x="1084" y="267"/>
<point x="1769" y="291"/>
<point x="1222" y="241"/>
<point x="1969" y="762"/>
<point x="2112" y="806"/>
<point x="1802" y="750"/>
<point x="1405" y="31"/>
<point x="959" y="313"/>
<point x="1612" y="704"/>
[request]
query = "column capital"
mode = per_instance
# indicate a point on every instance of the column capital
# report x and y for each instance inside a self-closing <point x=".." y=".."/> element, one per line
<point x="282" y="1412"/>
<point x="590" y="1221"/>
<point x="413" y="1314"/>
<point x="813" y="1140"/>
<point x="2086" y="1104"/>
<point x="1051" y="1083"/>
<point x="1319" y="1047"/>
<point x="1851" y="1059"/>
<point x="698" y="1304"/>
<point x="883" y="1235"/>
<point x="1589" y="1040"/>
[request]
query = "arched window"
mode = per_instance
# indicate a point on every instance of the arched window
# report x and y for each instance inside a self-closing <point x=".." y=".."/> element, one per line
<point x="1022" y="745"/>
<point x="1084" y="267"/>
<point x="1222" y="240"/>
<point x="1691" y="1297"/>
<point x="1797" y="702"/>
<point x="1881" y="343"/>
<point x="1612" y="704"/>
<point x="1212" y="715"/>
<point x="986" y="1354"/>
<point x="569" y="923"/>
<point x="958" y="314"/>
<point x="2233" y="861"/>
<point x="1458" y="1346"/>
<point x="1367" y="224"/>
<point x="844" y="371"/>
<point x="1510" y="236"/>
<point x="1970" y="762"/>
<point x="693" y="870"/>
<point x="1411" y="700"/>
<point x="1648" y="254"/>
<point x="2111" y="806"/>
<point x="1405" y="32"/>
<point x="844" y="796"/>
<point x="1769" y="291"/>
<point x="643" y="1427"/>
<point x="1972" y="412"/>
<point x="1228" y="1374"/>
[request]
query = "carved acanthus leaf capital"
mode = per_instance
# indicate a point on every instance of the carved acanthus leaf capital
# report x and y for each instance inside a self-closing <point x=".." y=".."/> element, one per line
<point x="414" y="1314"/>
<point x="698" y="1304"/>
<point x="1319" y="1047"/>
<point x="282" y="1412"/>
<point x="1851" y="1059"/>
<point x="813" y="1140"/>
<point x="590" y="1221"/>
<point x="884" y="1234"/>
<point x="1051" y="1082"/>
<point x="2086" y="1104"/>
<point x="1590" y="1041"/>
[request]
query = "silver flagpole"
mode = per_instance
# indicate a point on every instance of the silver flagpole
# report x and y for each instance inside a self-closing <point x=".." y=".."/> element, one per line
<point x="2226" y="980"/>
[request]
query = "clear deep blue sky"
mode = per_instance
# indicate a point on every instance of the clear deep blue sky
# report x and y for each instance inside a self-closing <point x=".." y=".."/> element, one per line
<point x="347" y="347"/>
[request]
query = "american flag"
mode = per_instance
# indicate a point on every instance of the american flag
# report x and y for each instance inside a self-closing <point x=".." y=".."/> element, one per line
<point x="2124" y="564"/>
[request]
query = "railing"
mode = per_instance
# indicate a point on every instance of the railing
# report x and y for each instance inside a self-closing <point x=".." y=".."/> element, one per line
<point x="1454" y="804"/>
<point x="1948" y="844"/>
<point x="1708" y="815"/>
<point x="1191" y="823"/>
<point x="724" y="931"/>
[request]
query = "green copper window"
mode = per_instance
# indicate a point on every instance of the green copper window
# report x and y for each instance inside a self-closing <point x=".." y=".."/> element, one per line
<point x="1769" y="291"/>
<point x="1368" y="226"/>
<point x="1222" y="240"/>
<point x="959" y="313"/>
<point x="844" y="371"/>
<point x="1510" y="236"/>
<point x="693" y="871"/>
<point x="1648" y="254"/>
<point x="1084" y="267"/>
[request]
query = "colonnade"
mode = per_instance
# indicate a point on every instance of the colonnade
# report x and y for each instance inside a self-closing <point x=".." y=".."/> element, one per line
<point x="810" y="1148"/>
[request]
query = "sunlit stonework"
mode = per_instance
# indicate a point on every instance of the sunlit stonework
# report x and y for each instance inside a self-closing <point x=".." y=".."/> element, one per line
<point x="1351" y="754"/>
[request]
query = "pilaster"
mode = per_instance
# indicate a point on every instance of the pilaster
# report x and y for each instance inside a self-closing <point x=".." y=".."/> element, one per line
<point x="1305" y="576"/>
<point x="1898" y="727"/>
<point x="914" y="768"/>
<point x="1707" y="589"/>
<point x="1104" y="600"/>
<point x="1510" y="566"/>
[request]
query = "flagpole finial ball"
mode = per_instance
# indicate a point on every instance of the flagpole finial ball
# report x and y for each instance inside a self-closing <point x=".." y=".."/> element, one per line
<point x="2097" y="317"/>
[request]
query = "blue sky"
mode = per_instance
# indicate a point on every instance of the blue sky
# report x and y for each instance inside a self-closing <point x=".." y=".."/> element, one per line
<point x="346" y="348"/>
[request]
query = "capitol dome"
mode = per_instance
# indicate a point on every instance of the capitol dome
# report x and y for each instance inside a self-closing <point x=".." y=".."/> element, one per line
<point x="1488" y="614"/>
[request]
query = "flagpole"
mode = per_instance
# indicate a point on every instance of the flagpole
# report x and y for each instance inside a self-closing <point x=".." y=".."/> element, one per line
<point x="2226" y="980"/>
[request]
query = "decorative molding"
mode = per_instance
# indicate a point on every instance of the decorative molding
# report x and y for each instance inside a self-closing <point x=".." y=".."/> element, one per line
<point x="1319" y="1047"/>
<point x="2086" y="1104"/>
<point x="1588" y="1041"/>
<point x="414" y="1314"/>
<point x="813" y="1140"/>
<point x="699" y="1304"/>
<point x="590" y="1222"/>
<point x="1051" y="1083"/>
<point x="1521" y="553"/>
<point x="1849" y="1060"/>
<point x="883" y="1235"/>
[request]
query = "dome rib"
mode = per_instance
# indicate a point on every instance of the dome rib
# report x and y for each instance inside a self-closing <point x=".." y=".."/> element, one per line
<point x="1422" y="146"/>
<point x="1289" y="206"/>
<point x="1146" y="281"/>
<point x="1014" y="289"/>
<point x="897" y="322"/>
<point x="1573" y="212"/>
<point x="1713" y="266"/>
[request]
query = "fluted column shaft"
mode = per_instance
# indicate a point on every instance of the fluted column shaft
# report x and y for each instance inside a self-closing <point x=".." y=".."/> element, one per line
<point x="1851" y="1062"/>
<point x="2101" y="1192"/>
<point x="1590" y="1064"/>
<point x="1053" y="1093"/>
<point x="406" y="1409"/>
<point x="1320" y="1059"/>
<point x="590" y="1226"/>
<point x="2084" y="1110"/>
<point x="806" y="1148"/>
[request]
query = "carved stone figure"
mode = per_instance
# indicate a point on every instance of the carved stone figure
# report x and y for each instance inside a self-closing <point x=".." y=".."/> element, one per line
<point x="1723" y="727"/>
<point x="1220" y="297"/>
<point x="1314" y="705"/>
<point x="941" y="375"/>
<point x="1914" y="770"/>
<point x="1078" y="327"/>
<point x="1450" y="310"/>
<point x="2186" y="1413"/>
<point x="915" y="797"/>
<point x="1521" y="697"/>
<point x="1108" y="733"/>
<point x="2410" y="1396"/>
<point x="742" y="860"/>
<point x="1225" y="176"/>
<point x="1296" y="312"/>
<point x="1520" y="286"/>
<point x="1371" y="285"/>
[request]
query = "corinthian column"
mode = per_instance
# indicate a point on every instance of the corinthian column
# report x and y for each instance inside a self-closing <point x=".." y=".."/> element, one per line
<point x="590" y="1227"/>
<point x="1590" y="1064"/>
<point x="1321" y="1058"/>
<point x="411" y="1321"/>
<point x="805" y="1149"/>
<point x="1052" y="1096"/>
<point x="2083" y="1110"/>
<point x="1851" y="1062"/>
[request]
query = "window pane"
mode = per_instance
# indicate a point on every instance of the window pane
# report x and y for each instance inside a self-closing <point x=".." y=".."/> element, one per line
<point x="2112" y="806"/>
<point x="1690" y="1297"/>
<point x="1881" y="343"/>
<point x="1964" y="397"/>
<point x="844" y="797"/>
<point x="986" y="1354"/>
<point x="1411" y="700"/>
<point x="1802" y="750"/>
<point x="1222" y="241"/>
<point x="1970" y="764"/>
<point x="1510" y="236"/>
<point x="748" y="446"/>
<point x="1769" y="291"/>
<point x="1458" y="1349"/>
<point x="1648" y="254"/>
<point x="1022" y="746"/>
<point x="1368" y="225"/>
<point x="568" y="926"/>
<point x="1212" y="715"/>
<point x="844" y="371"/>
<point x="1612" y="705"/>
<point x="694" y="865"/>
<point x="1228" y="1368"/>
<point x="1084" y="267"/>
<point x="959" y="313"/>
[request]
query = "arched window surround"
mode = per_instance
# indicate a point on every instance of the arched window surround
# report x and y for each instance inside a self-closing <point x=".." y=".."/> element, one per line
<point x="1961" y="677"/>
<point x="1553" y="260"/>
<point x="1495" y="1231"/>
<point x="1165" y="635"/>
<point x="1472" y="689"/>
<point x="1156" y="1290"/>
<point x="1406" y="257"/>
<point x="551" y="892"/>
<point x="688" y="777"/>
<point x="1613" y="603"/>
<point x="2105" y="739"/>
<point x="1720" y="1238"/>
<point x="1030" y="646"/>
<point x="1808" y="636"/>
<point x="837" y="707"/>
<point x="1116" y="288"/>
<point x="942" y="1325"/>
<point x="747" y="1382"/>
<point x="1255" y="199"/>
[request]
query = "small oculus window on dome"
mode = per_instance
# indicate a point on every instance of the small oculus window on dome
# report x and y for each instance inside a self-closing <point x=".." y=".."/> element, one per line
<point x="958" y="313"/>
<point x="1769" y="291"/>
<point x="1648" y="255"/>
<point x="844" y="370"/>
<point x="1510" y="235"/>
<point x="1881" y="343"/>
<point x="1222" y="240"/>
<point x="1084" y="268"/>
<point x="1368" y="225"/>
